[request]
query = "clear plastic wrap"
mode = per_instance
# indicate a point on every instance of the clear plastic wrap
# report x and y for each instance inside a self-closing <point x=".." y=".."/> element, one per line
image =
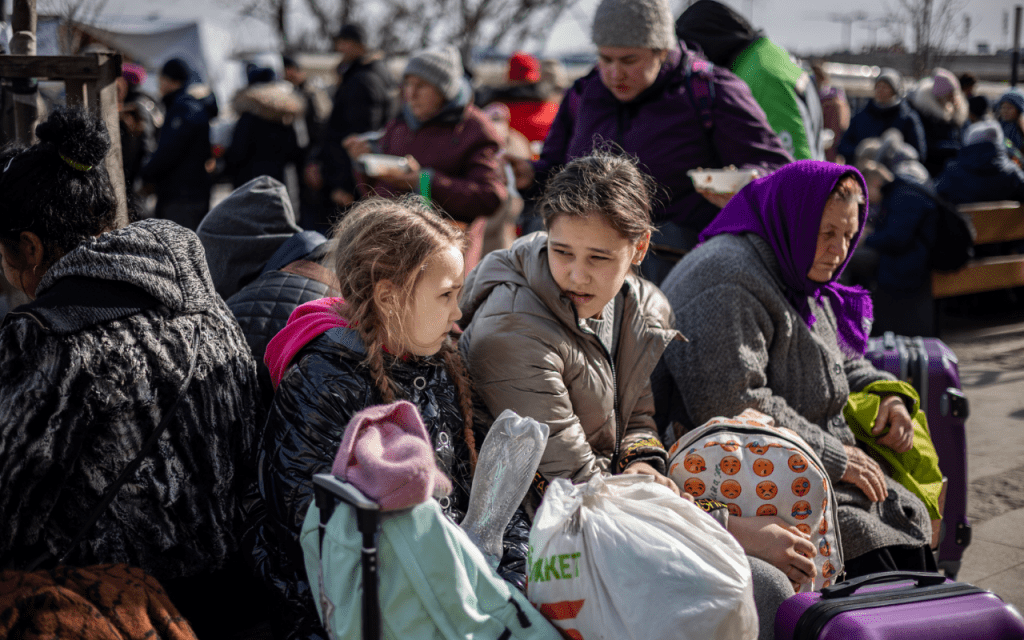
<point x="505" y="468"/>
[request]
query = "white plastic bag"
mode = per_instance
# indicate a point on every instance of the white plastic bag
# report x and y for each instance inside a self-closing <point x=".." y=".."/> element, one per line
<point x="623" y="557"/>
<point x="505" y="467"/>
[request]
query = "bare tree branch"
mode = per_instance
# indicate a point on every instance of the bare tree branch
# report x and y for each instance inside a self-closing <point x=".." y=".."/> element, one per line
<point x="933" y="27"/>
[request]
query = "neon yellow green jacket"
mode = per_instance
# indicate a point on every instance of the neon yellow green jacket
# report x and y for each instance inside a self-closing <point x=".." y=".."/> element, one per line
<point x="917" y="469"/>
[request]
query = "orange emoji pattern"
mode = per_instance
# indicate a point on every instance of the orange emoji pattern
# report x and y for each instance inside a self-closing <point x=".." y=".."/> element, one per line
<point x="731" y="489"/>
<point x="763" y="467"/>
<point x="801" y="486"/>
<point x="756" y="475"/>
<point x="767" y="490"/>
<point x="730" y="464"/>
<point x="694" y="463"/>
<point x="694" y="486"/>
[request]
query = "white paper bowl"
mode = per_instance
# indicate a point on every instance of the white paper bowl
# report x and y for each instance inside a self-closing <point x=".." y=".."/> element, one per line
<point x="375" y="163"/>
<point x="721" y="180"/>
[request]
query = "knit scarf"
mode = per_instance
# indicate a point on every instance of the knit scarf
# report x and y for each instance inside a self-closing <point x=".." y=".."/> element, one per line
<point x="785" y="209"/>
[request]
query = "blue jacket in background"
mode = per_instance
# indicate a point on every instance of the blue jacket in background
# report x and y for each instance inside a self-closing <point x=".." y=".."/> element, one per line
<point x="874" y="120"/>
<point x="981" y="172"/>
<point x="177" y="167"/>
<point x="904" y="233"/>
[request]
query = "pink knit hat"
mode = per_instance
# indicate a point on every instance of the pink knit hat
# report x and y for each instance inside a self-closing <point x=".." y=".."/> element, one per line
<point x="386" y="454"/>
<point x="944" y="83"/>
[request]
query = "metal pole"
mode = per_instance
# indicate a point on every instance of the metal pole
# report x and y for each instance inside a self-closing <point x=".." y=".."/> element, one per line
<point x="1016" y="45"/>
<point x="23" y="42"/>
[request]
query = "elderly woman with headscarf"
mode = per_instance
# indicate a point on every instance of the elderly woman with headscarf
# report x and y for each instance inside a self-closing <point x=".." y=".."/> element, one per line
<point x="654" y="98"/>
<point x="771" y="329"/>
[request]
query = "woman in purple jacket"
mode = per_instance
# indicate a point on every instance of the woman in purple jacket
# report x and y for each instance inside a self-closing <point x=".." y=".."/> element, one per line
<point x="669" y="107"/>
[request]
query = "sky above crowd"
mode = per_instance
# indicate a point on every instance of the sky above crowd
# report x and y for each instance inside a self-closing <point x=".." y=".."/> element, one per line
<point x="801" y="26"/>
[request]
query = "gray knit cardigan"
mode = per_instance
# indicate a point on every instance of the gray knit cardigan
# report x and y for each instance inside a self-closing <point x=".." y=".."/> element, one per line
<point x="749" y="348"/>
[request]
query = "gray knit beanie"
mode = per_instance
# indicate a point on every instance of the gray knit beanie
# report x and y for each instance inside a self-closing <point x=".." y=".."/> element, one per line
<point x="634" y="23"/>
<point x="440" y="67"/>
<point x="892" y="78"/>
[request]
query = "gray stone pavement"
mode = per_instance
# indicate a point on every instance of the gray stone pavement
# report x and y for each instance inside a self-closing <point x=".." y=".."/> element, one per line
<point x="991" y="358"/>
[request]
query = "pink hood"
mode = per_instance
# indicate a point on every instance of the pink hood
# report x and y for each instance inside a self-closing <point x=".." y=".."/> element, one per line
<point x="308" y="321"/>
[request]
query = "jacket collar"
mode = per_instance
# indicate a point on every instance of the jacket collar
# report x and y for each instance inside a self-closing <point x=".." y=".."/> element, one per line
<point x="76" y="303"/>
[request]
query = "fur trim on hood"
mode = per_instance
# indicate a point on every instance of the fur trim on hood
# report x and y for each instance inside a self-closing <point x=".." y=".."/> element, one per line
<point x="926" y="104"/>
<point x="273" y="101"/>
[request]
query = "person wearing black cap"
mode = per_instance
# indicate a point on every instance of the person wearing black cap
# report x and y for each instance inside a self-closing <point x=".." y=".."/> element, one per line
<point x="178" y="166"/>
<point x="364" y="101"/>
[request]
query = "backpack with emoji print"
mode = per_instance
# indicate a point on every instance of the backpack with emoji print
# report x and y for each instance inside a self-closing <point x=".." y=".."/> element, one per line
<point x="759" y="469"/>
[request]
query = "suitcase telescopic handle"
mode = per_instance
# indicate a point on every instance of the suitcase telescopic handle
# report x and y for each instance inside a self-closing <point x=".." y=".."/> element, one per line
<point x="920" y="578"/>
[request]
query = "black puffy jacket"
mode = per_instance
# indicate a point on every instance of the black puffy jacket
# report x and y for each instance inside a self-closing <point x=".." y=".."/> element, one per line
<point x="263" y="306"/>
<point x="324" y="386"/>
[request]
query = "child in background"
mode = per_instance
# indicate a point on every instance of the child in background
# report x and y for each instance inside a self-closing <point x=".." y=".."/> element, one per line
<point x="400" y="267"/>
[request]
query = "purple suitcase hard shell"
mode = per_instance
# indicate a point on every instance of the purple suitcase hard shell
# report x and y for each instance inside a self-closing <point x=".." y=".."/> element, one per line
<point x="932" y="368"/>
<point x="898" y="605"/>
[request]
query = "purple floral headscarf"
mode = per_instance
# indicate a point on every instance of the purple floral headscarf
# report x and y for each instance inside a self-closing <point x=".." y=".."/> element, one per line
<point x="785" y="208"/>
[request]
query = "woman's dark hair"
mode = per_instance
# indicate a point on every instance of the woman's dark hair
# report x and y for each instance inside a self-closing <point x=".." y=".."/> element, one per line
<point x="58" y="188"/>
<point x="604" y="183"/>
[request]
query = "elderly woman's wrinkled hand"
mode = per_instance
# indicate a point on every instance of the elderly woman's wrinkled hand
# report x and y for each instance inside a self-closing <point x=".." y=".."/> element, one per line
<point x="717" y="199"/>
<point x="643" y="468"/>
<point x="892" y="413"/>
<point x="864" y="472"/>
<point x="778" y="543"/>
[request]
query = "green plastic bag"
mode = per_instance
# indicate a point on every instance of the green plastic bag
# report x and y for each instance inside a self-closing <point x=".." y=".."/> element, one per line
<point x="433" y="582"/>
<point x="917" y="469"/>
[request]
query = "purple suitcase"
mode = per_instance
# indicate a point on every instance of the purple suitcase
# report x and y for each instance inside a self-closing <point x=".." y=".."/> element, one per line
<point x="932" y="368"/>
<point x="898" y="605"/>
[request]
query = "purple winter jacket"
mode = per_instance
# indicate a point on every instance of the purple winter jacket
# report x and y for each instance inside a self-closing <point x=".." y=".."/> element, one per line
<point x="662" y="127"/>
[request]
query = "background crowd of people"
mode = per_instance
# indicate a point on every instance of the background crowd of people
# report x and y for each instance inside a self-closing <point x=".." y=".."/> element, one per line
<point x="227" y="349"/>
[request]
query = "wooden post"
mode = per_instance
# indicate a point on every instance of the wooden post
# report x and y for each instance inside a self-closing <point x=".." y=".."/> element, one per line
<point x="23" y="42"/>
<point x="103" y="102"/>
<point x="1015" y="56"/>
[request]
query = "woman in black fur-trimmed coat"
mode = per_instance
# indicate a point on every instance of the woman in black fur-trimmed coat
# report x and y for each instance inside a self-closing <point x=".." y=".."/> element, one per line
<point x="89" y="368"/>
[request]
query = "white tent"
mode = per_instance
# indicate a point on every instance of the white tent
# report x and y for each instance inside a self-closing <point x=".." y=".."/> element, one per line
<point x="151" y="41"/>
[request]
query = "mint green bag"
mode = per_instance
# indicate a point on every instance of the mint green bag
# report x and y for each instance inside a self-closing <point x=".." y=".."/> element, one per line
<point x="433" y="581"/>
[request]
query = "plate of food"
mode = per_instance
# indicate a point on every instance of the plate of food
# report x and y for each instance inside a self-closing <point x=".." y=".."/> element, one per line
<point x="376" y="163"/>
<point x="726" y="180"/>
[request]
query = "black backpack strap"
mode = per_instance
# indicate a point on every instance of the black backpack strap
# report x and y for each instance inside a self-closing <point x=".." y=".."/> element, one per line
<point x="130" y="468"/>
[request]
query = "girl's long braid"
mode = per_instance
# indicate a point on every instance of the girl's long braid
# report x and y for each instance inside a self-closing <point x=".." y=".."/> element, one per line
<point x="457" y="371"/>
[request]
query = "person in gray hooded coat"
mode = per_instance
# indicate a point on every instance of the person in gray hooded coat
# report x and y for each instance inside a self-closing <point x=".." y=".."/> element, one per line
<point x="90" y="367"/>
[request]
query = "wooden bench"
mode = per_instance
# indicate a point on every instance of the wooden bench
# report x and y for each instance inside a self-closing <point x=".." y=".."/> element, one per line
<point x="994" y="222"/>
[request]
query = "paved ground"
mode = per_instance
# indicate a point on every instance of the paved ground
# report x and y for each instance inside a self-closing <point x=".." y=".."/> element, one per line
<point x="991" y="354"/>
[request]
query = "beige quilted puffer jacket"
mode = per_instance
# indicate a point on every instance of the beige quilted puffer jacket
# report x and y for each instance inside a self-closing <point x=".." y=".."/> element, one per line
<point x="527" y="351"/>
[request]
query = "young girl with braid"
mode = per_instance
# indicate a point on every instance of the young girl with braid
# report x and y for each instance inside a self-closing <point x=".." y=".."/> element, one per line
<point x="401" y="268"/>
